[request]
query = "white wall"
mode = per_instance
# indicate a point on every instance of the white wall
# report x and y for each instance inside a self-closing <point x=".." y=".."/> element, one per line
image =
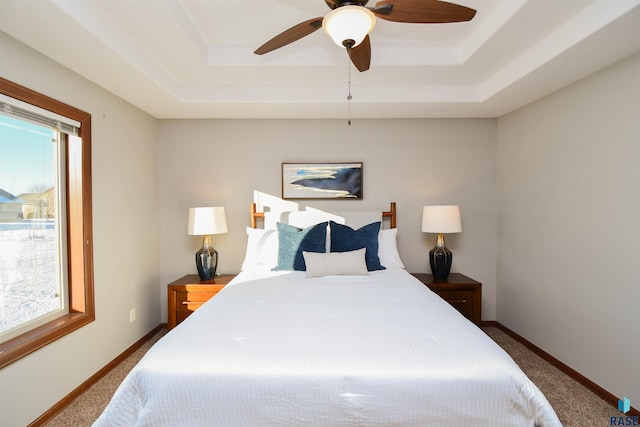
<point x="569" y="226"/>
<point x="125" y="229"/>
<point x="411" y="162"/>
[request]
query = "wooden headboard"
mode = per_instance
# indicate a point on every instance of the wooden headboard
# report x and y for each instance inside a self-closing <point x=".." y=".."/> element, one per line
<point x="391" y="214"/>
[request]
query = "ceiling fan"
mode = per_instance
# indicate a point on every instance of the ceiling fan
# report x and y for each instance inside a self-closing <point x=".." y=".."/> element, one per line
<point x="350" y="22"/>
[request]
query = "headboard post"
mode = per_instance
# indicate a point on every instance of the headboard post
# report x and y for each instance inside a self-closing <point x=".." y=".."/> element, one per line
<point x="255" y="215"/>
<point x="391" y="213"/>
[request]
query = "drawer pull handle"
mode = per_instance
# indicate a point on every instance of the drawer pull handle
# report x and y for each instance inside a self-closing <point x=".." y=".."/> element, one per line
<point x="458" y="301"/>
<point x="192" y="302"/>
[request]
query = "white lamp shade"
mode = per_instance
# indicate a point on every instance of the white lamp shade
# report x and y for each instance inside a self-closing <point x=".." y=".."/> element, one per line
<point x="441" y="219"/>
<point x="204" y="221"/>
<point x="349" y="23"/>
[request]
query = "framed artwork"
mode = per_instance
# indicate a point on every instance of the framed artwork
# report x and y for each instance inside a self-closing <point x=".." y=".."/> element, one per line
<point x="322" y="181"/>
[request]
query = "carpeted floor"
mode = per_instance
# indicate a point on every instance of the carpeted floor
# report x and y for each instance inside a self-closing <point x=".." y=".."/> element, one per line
<point x="574" y="404"/>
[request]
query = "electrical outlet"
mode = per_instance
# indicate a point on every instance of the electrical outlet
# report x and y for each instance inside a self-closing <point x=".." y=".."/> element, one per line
<point x="132" y="315"/>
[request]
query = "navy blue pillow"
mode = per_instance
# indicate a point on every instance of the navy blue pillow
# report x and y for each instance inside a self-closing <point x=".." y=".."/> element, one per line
<point x="292" y="241"/>
<point x="345" y="238"/>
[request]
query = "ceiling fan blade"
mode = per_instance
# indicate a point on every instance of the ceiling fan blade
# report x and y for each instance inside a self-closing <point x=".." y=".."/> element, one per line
<point x="422" y="11"/>
<point x="289" y="36"/>
<point x="361" y="55"/>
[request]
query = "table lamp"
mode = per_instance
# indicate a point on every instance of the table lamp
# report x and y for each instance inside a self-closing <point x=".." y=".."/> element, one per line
<point x="204" y="222"/>
<point x="441" y="219"/>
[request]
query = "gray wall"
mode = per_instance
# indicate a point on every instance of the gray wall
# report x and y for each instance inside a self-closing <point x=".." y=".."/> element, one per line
<point x="569" y="226"/>
<point x="125" y="229"/>
<point x="412" y="162"/>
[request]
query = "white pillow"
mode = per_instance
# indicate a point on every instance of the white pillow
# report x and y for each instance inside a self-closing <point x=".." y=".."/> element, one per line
<point x="388" y="248"/>
<point x="336" y="263"/>
<point x="262" y="249"/>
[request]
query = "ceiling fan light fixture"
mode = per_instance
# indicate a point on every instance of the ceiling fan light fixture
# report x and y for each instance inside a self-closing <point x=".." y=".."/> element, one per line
<point x="349" y="23"/>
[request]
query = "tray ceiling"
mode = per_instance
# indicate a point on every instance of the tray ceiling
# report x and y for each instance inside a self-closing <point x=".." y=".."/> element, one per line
<point x="194" y="58"/>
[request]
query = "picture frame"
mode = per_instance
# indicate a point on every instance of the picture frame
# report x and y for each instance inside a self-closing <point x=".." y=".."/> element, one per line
<point x="342" y="180"/>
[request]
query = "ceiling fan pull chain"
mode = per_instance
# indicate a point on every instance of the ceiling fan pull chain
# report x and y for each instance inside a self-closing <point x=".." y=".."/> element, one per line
<point x="349" y="97"/>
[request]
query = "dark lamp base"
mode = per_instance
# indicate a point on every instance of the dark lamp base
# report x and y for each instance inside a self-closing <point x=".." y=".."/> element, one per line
<point x="207" y="262"/>
<point x="440" y="260"/>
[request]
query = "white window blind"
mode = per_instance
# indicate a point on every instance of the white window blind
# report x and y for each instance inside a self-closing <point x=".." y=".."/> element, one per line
<point x="21" y="110"/>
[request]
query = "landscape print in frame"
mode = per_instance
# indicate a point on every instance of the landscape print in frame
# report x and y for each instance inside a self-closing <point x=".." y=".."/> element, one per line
<point x="322" y="181"/>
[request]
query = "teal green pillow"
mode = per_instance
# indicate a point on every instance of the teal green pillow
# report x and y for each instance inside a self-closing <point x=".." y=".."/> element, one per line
<point x="293" y="241"/>
<point x="345" y="238"/>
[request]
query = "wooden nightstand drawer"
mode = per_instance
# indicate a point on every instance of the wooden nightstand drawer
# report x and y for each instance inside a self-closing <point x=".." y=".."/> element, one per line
<point x="192" y="298"/>
<point x="188" y="293"/>
<point x="460" y="300"/>
<point x="462" y="292"/>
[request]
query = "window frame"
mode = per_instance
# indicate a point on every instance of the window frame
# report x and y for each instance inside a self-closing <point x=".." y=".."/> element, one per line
<point x="79" y="231"/>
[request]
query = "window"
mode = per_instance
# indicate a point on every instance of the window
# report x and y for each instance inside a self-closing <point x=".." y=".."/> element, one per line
<point x="46" y="262"/>
<point x="32" y="236"/>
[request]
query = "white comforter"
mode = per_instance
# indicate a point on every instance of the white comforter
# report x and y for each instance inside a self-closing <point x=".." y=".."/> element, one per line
<point x="283" y="350"/>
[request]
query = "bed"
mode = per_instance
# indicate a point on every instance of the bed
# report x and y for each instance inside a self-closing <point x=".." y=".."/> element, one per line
<point x="328" y="345"/>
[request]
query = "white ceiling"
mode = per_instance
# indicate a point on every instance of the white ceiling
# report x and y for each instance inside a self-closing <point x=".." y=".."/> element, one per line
<point x="194" y="58"/>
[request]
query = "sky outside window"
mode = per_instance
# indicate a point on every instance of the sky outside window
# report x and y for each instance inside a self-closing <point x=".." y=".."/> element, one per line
<point x="26" y="157"/>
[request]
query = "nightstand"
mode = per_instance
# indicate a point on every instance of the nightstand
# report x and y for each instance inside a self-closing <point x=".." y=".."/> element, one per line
<point x="462" y="292"/>
<point x="188" y="293"/>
